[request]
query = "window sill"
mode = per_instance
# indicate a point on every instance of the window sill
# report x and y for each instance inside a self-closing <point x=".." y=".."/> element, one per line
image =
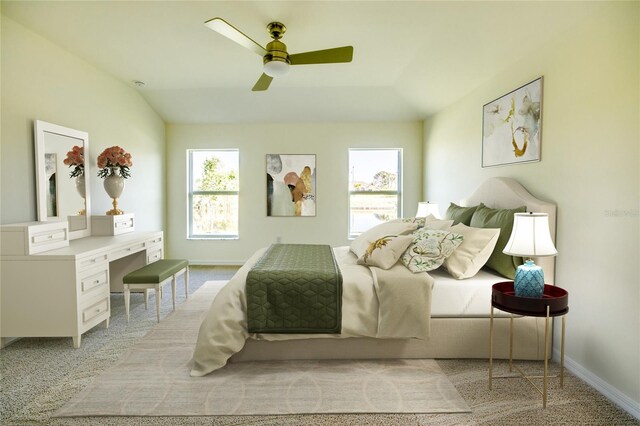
<point x="213" y="238"/>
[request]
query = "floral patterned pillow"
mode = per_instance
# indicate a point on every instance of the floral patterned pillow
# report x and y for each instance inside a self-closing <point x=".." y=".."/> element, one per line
<point x="385" y="252"/>
<point x="429" y="249"/>
<point x="417" y="220"/>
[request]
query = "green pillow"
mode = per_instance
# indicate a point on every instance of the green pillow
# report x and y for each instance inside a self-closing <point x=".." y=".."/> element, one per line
<point x="485" y="217"/>
<point x="460" y="214"/>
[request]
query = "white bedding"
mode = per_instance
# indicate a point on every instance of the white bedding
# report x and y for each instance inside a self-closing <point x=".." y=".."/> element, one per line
<point x="375" y="303"/>
<point x="463" y="298"/>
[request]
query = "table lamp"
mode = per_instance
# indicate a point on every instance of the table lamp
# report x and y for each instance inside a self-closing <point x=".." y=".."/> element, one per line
<point x="426" y="208"/>
<point x="530" y="238"/>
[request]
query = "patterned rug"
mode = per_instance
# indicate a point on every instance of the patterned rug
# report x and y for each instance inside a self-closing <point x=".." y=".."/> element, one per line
<point x="152" y="379"/>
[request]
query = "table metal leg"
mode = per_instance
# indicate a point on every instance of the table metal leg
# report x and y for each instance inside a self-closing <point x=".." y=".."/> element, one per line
<point x="491" y="348"/>
<point x="546" y="359"/>
<point x="511" y="344"/>
<point x="562" y="354"/>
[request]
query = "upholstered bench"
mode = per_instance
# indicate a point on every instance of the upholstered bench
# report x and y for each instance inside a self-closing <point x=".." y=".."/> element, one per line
<point x="154" y="276"/>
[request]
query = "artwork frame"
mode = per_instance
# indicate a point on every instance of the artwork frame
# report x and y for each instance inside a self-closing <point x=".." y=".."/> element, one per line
<point x="512" y="126"/>
<point x="291" y="185"/>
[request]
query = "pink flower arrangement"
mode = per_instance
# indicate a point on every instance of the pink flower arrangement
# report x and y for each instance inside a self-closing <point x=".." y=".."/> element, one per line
<point x="75" y="159"/>
<point x="114" y="158"/>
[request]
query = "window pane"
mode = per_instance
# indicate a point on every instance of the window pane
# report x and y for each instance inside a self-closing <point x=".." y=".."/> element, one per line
<point x="215" y="170"/>
<point x="368" y="210"/>
<point x="215" y="215"/>
<point x="373" y="170"/>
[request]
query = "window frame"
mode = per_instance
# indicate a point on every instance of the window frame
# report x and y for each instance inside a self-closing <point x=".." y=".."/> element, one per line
<point x="398" y="192"/>
<point x="191" y="193"/>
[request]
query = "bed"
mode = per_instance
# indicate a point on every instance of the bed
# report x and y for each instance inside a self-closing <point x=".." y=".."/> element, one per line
<point x="458" y="325"/>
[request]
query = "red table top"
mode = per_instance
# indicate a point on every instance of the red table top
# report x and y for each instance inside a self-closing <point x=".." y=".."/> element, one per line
<point x="503" y="297"/>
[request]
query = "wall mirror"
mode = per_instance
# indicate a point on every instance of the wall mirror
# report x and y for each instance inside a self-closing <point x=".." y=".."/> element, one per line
<point x="62" y="177"/>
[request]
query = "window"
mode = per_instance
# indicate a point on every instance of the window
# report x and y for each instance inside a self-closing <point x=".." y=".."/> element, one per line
<point x="375" y="182"/>
<point x="213" y="193"/>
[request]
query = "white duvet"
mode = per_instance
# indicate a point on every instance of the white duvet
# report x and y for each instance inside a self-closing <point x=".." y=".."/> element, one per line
<point x="394" y="303"/>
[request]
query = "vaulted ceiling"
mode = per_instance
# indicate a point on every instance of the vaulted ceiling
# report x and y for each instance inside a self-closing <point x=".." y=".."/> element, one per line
<point x="411" y="58"/>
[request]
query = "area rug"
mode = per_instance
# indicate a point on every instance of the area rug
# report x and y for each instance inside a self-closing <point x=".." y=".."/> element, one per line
<point x="152" y="379"/>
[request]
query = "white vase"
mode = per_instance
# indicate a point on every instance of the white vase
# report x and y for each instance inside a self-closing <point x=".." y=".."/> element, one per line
<point x="80" y="187"/>
<point x="114" y="185"/>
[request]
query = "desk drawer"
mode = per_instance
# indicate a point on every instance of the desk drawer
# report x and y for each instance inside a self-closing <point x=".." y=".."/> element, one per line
<point x="112" y="224"/>
<point x="93" y="282"/>
<point x="133" y="248"/>
<point x="154" y="255"/>
<point x="154" y="241"/>
<point x="99" y="308"/>
<point x="33" y="237"/>
<point x="91" y="261"/>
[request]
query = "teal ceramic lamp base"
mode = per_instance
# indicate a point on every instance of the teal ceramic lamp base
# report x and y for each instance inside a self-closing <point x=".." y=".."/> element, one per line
<point x="529" y="280"/>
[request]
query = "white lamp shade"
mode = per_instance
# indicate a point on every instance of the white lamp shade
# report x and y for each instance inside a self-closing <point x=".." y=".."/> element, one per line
<point x="426" y="208"/>
<point x="530" y="236"/>
<point x="276" y="68"/>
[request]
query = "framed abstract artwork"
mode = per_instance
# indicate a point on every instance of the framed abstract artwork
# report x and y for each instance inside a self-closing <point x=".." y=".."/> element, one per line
<point x="512" y="126"/>
<point x="291" y="185"/>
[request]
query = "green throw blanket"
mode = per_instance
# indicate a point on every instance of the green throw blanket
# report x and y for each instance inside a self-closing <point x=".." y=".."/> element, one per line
<point x="295" y="288"/>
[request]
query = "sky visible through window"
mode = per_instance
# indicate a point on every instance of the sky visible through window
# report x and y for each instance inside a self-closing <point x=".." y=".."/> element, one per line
<point x="366" y="163"/>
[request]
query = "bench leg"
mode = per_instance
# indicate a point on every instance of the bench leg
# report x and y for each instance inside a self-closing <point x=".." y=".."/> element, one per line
<point x="158" y="297"/>
<point x="146" y="299"/>
<point x="173" y="291"/>
<point x="126" y="301"/>
<point x="186" y="283"/>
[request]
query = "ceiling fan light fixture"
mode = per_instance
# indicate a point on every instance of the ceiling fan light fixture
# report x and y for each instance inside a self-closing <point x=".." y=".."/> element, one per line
<point x="276" y="68"/>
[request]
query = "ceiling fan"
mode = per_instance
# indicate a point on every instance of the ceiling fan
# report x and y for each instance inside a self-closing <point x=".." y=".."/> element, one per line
<point x="275" y="57"/>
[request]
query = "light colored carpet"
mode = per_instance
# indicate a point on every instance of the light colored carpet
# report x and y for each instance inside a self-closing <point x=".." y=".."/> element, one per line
<point x="39" y="375"/>
<point x="152" y="379"/>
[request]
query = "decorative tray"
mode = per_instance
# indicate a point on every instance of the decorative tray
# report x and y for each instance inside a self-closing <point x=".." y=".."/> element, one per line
<point x="503" y="297"/>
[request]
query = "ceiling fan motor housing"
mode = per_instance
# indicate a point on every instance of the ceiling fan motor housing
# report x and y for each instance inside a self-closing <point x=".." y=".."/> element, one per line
<point x="276" y="51"/>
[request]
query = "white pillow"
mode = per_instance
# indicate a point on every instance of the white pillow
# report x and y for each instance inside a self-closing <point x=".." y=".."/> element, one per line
<point x="473" y="253"/>
<point x="360" y="245"/>
<point x="429" y="249"/>
<point x="430" y="222"/>
<point x="385" y="252"/>
<point x="417" y="220"/>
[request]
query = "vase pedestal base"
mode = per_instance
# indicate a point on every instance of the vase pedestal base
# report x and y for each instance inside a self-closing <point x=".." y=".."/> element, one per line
<point x="115" y="210"/>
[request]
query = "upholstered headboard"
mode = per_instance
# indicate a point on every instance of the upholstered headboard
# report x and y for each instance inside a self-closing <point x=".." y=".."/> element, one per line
<point x="507" y="193"/>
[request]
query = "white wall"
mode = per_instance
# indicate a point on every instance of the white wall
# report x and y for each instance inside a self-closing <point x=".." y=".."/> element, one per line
<point x="589" y="167"/>
<point x="42" y="81"/>
<point x="330" y="143"/>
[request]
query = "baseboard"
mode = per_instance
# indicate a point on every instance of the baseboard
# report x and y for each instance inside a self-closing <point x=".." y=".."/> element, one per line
<point x="6" y="341"/>
<point x="614" y="395"/>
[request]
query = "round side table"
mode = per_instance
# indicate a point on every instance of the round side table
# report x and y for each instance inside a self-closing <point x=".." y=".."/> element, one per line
<point x="553" y="303"/>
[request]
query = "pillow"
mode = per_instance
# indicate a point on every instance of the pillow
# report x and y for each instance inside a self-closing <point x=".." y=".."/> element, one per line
<point x="434" y="223"/>
<point x="460" y="214"/>
<point x="360" y="245"/>
<point x="385" y="252"/>
<point x="477" y="245"/>
<point x="417" y="220"/>
<point x="429" y="249"/>
<point x="485" y="217"/>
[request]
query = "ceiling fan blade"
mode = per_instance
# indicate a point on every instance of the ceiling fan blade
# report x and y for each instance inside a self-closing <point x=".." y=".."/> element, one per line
<point x="327" y="56"/>
<point x="221" y="26"/>
<point x="263" y="83"/>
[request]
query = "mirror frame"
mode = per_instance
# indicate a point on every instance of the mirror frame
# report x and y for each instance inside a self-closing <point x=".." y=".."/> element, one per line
<point x="41" y="129"/>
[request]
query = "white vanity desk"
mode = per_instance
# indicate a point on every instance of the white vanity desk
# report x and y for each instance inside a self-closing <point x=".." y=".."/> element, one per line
<point x="65" y="291"/>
